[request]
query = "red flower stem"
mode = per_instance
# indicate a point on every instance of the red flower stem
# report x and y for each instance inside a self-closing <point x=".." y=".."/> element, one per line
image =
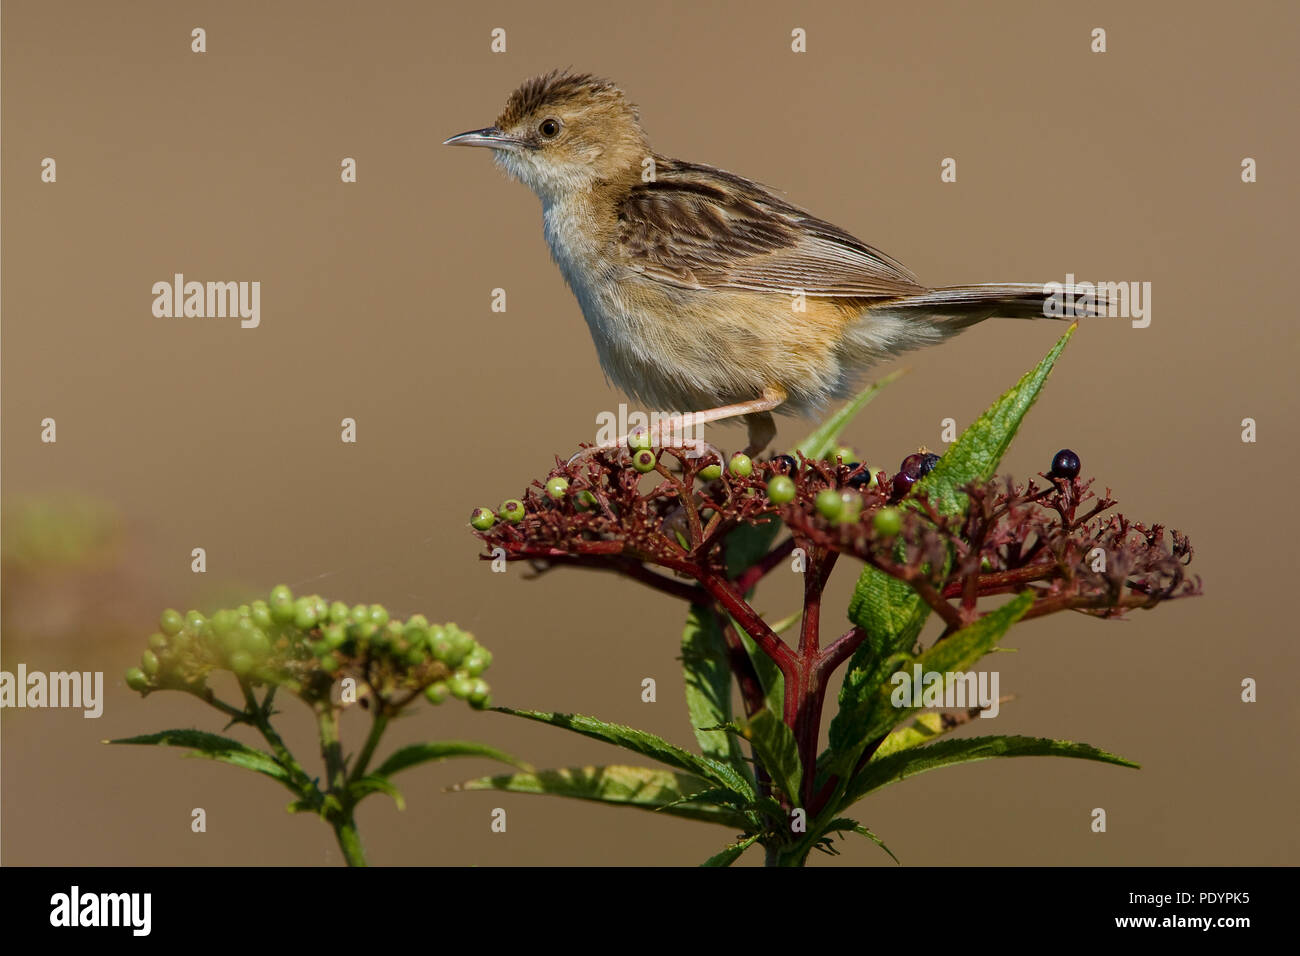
<point x="771" y="645"/>
<point x="629" y="566"/>
<point x="753" y="574"/>
<point x="805" y="694"/>
<point x="987" y="583"/>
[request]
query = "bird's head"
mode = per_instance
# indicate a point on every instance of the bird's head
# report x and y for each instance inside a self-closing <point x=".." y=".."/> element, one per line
<point x="564" y="132"/>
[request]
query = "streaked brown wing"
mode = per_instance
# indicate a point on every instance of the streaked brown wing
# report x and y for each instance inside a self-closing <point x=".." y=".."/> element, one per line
<point x="697" y="227"/>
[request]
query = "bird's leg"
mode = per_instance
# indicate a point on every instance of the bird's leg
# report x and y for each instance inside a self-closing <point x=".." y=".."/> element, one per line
<point x="757" y="412"/>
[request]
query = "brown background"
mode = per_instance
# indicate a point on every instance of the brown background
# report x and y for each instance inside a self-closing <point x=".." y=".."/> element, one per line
<point x="375" y="304"/>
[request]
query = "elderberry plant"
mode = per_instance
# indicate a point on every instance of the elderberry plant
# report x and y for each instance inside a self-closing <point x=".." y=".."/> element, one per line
<point x="942" y="536"/>
<point x="329" y="656"/>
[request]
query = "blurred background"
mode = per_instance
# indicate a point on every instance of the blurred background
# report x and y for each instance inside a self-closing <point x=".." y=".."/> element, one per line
<point x="182" y="433"/>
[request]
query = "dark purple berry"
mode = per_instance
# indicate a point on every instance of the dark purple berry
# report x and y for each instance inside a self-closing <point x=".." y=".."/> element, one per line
<point x="902" y="485"/>
<point x="859" y="477"/>
<point x="928" y="461"/>
<point x="911" y="466"/>
<point x="784" y="464"/>
<point x="1065" y="465"/>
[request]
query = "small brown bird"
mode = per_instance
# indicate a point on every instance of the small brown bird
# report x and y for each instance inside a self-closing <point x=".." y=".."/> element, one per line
<point x="706" y="292"/>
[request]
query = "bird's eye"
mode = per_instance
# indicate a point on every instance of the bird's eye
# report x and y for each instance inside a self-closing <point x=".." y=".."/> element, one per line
<point x="550" y="128"/>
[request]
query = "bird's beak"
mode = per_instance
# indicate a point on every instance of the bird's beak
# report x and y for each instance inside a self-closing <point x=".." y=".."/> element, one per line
<point x="490" y="137"/>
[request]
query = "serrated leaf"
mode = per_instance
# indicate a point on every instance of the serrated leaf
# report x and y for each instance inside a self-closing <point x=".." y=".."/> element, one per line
<point x="775" y="747"/>
<point x="415" y="754"/>
<point x="887" y="609"/>
<point x="643" y="788"/>
<point x="853" y="826"/>
<point x="874" y="714"/>
<point x="976" y="454"/>
<point x="214" y="747"/>
<point x="375" y="783"/>
<point x="731" y="854"/>
<point x="946" y="753"/>
<point x="644" y="743"/>
<point x="926" y="727"/>
<point x="708" y="686"/>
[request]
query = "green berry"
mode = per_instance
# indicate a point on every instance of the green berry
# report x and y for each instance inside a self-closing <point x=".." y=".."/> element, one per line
<point x="639" y="440"/>
<point x="256" y="642"/>
<point x="149" y="663"/>
<point x="644" y="460"/>
<point x="338" y="613"/>
<point x="475" y="663"/>
<point x="241" y="662"/>
<point x="482" y="519"/>
<point x="830" y="504"/>
<point x="261" y="615"/>
<point x="329" y="663"/>
<point x="171" y="622"/>
<point x="197" y="624"/>
<point x="158" y="642"/>
<point x="711" y="472"/>
<point x="437" y="693"/>
<point x="557" y="487"/>
<point x="282" y="605"/>
<point x="781" y="489"/>
<point x="585" y="500"/>
<point x="479" y="695"/>
<point x="360" y="614"/>
<point x="888" y="522"/>
<point x="461" y="685"/>
<point x="136" y="680"/>
<point x="843" y="453"/>
<point x="224" y="621"/>
<point x="334" y="635"/>
<point x="378" y="615"/>
<point x="304" y="616"/>
<point x="512" y="510"/>
<point x="740" y="465"/>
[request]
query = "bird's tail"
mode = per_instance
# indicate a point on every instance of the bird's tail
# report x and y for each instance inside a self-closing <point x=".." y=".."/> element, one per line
<point x="916" y="321"/>
<point x="960" y="306"/>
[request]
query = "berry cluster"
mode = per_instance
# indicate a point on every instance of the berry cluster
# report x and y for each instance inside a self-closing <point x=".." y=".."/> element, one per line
<point x="304" y="644"/>
<point x="596" y="511"/>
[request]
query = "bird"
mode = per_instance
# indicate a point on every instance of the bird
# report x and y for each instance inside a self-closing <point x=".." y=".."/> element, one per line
<point x="708" y="295"/>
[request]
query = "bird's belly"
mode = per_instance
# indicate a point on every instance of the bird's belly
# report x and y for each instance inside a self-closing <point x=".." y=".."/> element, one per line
<point x="685" y="350"/>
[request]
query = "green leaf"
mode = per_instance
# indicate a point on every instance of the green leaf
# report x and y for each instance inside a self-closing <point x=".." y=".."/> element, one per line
<point x="853" y="826"/>
<point x="769" y="675"/>
<point x="731" y="854"/>
<point x="441" y="750"/>
<point x="644" y="788"/>
<point x="645" y="744"/>
<point x="875" y="714"/>
<point x="926" y="727"/>
<point x="375" y="783"/>
<point x="775" y="747"/>
<point x="708" y="686"/>
<point x="214" y="747"/>
<point x="886" y="608"/>
<point x="827" y="435"/>
<point x="747" y="543"/>
<point x="886" y="770"/>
